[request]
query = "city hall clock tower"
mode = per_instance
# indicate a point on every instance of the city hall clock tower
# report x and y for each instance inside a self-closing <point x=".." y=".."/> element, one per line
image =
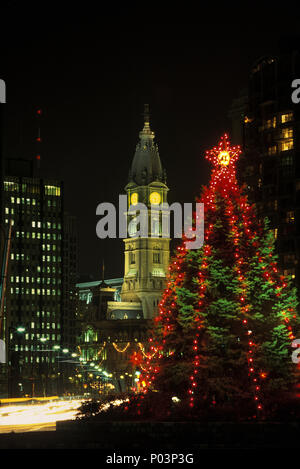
<point x="146" y="258"/>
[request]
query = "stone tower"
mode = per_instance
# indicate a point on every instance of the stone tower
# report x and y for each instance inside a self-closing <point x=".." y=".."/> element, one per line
<point x="146" y="258"/>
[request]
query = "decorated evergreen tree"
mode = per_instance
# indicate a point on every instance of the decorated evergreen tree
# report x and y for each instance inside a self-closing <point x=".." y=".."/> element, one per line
<point x="227" y="317"/>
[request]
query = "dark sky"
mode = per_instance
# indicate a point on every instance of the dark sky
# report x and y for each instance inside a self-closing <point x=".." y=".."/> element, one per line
<point x="92" y="69"/>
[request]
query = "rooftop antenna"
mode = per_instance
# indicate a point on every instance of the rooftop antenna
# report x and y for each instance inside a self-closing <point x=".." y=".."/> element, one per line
<point x="38" y="139"/>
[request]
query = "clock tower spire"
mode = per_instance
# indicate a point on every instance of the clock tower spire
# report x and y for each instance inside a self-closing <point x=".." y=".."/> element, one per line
<point x="146" y="258"/>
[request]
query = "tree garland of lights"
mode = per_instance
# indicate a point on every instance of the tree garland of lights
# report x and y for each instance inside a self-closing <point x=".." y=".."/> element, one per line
<point x="123" y="350"/>
<point x="226" y="308"/>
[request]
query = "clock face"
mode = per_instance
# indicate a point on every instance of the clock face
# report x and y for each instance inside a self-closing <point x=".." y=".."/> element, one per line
<point x="134" y="198"/>
<point x="155" y="198"/>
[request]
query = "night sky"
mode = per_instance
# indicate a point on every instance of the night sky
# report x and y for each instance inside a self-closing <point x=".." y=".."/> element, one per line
<point x="91" y="70"/>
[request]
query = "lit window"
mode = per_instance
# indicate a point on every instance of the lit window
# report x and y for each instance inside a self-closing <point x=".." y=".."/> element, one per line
<point x="286" y="117"/>
<point x="287" y="145"/>
<point x="52" y="190"/>
<point x="290" y="217"/>
<point x="287" y="132"/>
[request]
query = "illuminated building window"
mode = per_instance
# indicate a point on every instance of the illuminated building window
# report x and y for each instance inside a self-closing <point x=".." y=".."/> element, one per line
<point x="275" y="233"/>
<point x="33" y="224"/>
<point x="270" y="123"/>
<point x="287" y="132"/>
<point x="6" y="210"/>
<point x="12" y="256"/>
<point x="290" y="217"/>
<point x="287" y="145"/>
<point x="52" y="190"/>
<point x="286" y="117"/>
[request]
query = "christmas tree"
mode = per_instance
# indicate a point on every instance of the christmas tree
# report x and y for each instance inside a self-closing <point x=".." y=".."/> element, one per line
<point x="227" y="317"/>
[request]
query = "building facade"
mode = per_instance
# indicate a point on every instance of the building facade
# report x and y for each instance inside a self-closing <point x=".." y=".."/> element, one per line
<point x="267" y="124"/>
<point x="42" y="269"/>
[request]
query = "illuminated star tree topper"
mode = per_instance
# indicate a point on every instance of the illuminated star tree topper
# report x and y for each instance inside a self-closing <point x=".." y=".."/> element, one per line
<point x="224" y="156"/>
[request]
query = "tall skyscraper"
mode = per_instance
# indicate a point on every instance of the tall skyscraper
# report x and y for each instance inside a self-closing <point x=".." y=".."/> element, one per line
<point x="267" y="123"/>
<point x="40" y="316"/>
